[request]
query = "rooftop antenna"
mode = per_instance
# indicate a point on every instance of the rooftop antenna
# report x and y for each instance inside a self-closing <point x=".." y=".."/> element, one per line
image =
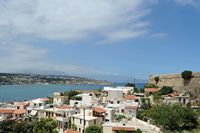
<point x="133" y="81"/>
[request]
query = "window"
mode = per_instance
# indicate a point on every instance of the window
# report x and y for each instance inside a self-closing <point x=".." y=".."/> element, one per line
<point x="95" y="122"/>
<point x="80" y="121"/>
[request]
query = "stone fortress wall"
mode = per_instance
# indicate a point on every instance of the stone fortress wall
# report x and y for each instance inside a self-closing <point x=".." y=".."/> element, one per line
<point x="178" y="83"/>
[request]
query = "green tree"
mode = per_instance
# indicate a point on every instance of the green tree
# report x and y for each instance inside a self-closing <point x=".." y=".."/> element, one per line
<point x="93" y="129"/>
<point x="149" y="85"/>
<point x="186" y="74"/>
<point x="172" y="117"/>
<point x="44" y="126"/>
<point x="73" y="126"/>
<point x="22" y="127"/>
<point x="157" y="78"/>
<point x="119" y="117"/>
<point x="137" y="131"/>
<point x="77" y="98"/>
<point x="141" y="90"/>
<point x="157" y="97"/>
<point x="6" y="126"/>
<point x="122" y="131"/>
<point x="136" y="90"/>
<point x="72" y="94"/>
<point x="50" y="101"/>
<point x="145" y="103"/>
<point x="166" y="90"/>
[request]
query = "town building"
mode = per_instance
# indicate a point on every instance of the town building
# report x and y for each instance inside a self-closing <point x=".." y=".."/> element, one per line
<point x="84" y="120"/>
<point x="59" y="98"/>
<point x="130" y="126"/>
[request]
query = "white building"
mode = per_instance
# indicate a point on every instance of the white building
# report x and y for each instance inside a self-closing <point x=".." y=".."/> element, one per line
<point x="109" y="114"/>
<point x="130" y="126"/>
<point x="87" y="99"/>
<point x="127" y="106"/>
<point x="125" y="89"/>
<point x="115" y="127"/>
<point x="83" y="121"/>
<point x="61" y="114"/>
<point x="115" y="94"/>
<point x="39" y="103"/>
<point x="59" y="98"/>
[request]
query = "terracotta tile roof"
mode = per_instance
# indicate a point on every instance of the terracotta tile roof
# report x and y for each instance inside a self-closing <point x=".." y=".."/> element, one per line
<point x="6" y="111"/>
<point x="63" y="107"/>
<point x="151" y="89"/>
<point x="99" y="110"/>
<point x="130" y="97"/>
<point x="123" y="128"/>
<point x="131" y="107"/>
<point x="19" y="111"/>
<point x="71" y="131"/>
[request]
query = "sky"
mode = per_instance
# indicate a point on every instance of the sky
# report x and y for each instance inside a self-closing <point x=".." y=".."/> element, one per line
<point x="114" y="40"/>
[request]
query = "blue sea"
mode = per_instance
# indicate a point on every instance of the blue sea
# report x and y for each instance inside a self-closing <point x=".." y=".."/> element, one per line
<point x="10" y="93"/>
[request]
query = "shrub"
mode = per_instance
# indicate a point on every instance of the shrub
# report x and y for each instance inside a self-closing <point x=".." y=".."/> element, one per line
<point x="157" y="78"/>
<point x="172" y="117"/>
<point x="186" y="75"/>
<point x="166" y="90"/>
<point x="149" y="85"/>
<point x="93" y="129"/>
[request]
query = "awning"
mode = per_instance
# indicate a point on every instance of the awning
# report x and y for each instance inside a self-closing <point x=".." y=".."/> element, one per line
<point x="33" y="112"/>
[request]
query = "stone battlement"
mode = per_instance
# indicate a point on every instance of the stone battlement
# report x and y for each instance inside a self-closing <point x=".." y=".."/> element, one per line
<point x="178" y="83"/>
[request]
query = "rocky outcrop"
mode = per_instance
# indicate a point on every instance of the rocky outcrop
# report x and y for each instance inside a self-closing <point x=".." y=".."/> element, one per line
<point x="191" y="86"/>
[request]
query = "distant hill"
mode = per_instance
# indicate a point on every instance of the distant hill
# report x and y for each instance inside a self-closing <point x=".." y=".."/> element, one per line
<point x="26" y="79"/>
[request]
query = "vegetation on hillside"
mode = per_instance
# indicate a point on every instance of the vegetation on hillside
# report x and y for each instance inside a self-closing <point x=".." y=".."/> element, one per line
<point x="35" y="126"/>
<point x="166" y="90"/>
<point x="149" y="85"/>
<point x="93" y="129"/>
<point x="172" y="117"/>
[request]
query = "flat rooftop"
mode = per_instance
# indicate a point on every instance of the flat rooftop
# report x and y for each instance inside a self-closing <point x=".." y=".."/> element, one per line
<point x="87" y="117"/>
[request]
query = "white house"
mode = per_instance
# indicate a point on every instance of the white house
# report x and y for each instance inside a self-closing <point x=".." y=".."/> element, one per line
<point x="59" y="98"/>
<point x="83" y="121"/>
<point x="38" y="103"/>
<point x="125" y="89"/>
<point x="130" y="126"/>
<point x="87" y="99"/>
<point x="61" y="114"/>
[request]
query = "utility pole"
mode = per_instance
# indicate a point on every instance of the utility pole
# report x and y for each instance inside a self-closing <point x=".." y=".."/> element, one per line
<point x="84" y="119"/>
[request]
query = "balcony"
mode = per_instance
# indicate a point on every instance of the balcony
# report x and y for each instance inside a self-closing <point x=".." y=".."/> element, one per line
<point x="62" y="119"/>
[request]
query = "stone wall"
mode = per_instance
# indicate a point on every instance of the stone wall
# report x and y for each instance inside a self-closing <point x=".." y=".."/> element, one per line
<point x="178" y="83"/>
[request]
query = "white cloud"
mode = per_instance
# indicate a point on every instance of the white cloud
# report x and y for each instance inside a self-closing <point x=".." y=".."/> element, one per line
<point x="74" y="19"/>
<point x="27" y="58"/>
<point x="64" y="20"/>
